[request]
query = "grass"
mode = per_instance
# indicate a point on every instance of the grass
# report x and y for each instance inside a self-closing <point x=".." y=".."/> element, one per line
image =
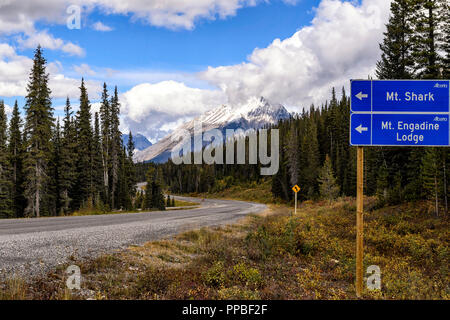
<point x="272" y="256"/>
<point x="181" y="203"/>
<point x="89" y="212"/>
<point x="250" y="191"/>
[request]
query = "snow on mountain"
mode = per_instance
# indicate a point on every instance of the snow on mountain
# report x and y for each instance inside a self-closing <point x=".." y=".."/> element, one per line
<point x="254" y="114"/>
<point x="140" y="141"/>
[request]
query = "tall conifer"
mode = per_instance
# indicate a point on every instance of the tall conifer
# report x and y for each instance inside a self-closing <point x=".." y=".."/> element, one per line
<point x="16" y="155"/>
<point x="37" y="135"/>
<point x="396" y="59"/>
<point x="84" y="184"/>
<point x="5" y="169"/>
<point x="115" y="145"/>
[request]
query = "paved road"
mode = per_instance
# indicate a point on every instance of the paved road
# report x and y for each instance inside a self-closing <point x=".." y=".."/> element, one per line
<point x="30" y="247"/>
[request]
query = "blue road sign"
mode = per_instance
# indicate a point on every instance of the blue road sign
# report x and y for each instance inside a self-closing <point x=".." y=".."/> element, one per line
<point x="400" y="113"/>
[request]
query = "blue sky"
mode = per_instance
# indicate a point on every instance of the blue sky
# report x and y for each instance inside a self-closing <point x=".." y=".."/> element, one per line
<point x="173" y="64"/>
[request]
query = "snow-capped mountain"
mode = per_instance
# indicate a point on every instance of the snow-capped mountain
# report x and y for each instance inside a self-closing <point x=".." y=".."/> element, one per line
<point x="140" y="141"/>
<point x="255" y="114"/>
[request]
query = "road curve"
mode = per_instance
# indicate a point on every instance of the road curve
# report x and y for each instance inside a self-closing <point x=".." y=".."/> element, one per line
<point x="31" y="247"/>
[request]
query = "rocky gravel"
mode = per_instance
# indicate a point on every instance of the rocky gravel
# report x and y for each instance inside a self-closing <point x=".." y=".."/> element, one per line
<point x="32" y="247"/>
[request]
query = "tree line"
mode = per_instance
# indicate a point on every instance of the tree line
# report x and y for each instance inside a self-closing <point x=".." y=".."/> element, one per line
<point x="50" y="167"/>
<point x="314" y="146"/>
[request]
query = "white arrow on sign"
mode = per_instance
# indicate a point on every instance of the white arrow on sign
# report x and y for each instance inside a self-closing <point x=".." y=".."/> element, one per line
<point x="360" y="128"/>
<point x="361" y="95"/>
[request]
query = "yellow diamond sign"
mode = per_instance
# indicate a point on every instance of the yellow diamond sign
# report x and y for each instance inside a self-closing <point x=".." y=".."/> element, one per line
<point x="296" y="188"/>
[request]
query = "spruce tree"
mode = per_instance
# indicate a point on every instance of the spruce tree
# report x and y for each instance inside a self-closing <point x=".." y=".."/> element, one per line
<point x="157" y="191"/>
<point x="292" y="149"/>
<point x="311" y="152"/>
<point x="428" y="25"/>
<point x="122" y="194"/>
<point x="148" y="199"/>
<point x="396" y="59"/>
<point x="37" y="136"/>
<point x="130" y="174"/>
<point x="84" y="184"/>
<point x="97" y="165"/>
<point x="429" y="172"/>
<point x="445" y="39"/>
<point x="55" y="164"/>
<point x="5" y="169"/>
<point x="328" y="187"/>
<point x="382" y="185"/>
<point x="157" y="196"/>
<point x="68" y="173"/>
<point x="105" y="116"/>
<point x="115" y="144"/>
<point x="16" y="155"/>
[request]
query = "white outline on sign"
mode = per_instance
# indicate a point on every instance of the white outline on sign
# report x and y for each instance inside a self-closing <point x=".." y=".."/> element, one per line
<point x="372" y="113"/>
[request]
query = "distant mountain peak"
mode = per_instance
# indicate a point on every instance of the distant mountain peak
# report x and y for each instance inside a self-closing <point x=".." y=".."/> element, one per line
<point x="140" y="141"/>
<point x="255" y="113"/>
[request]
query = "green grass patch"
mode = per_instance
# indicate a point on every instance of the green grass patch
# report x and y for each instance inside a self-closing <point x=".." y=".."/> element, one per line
<point x="182" y="203"/>
<point x="246" y="191"/>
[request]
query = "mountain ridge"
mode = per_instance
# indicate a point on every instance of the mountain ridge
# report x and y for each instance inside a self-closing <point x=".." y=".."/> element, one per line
<point x="254" y="114"/>
<point x="140" y="141"/>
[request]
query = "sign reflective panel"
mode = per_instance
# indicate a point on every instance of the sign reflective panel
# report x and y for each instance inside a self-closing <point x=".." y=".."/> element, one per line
<point x="400" y="113"/>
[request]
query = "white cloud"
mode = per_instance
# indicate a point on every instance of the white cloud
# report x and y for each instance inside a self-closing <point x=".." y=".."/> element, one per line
<point x="291" y="2"/>
<point x="155" y="109"/>
<point x="175" y="13"/>
<point x="341" y="43"/>
<point x="47" y="41"/>
<point x="63" y="86"/>
<point x="133" y="77"/>
<point x="84" y="69"/>
<point x="8" y="109"/>
<point x="99" y="26"/>
<point x="15" y="69"/>
<point x="20" y="16"/>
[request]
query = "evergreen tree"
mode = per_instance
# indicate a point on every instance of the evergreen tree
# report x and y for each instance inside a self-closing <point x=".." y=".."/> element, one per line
<point x="122" y="193"/>
<point x="5" y="169"/>
<point x="68" y="174"/>
<point x="55" y="201"/>
<point x="396" y="50"/>
<point x="37" y="135"/>
<point x="328" y="187"/>
<point x="148" y="201"/>
<point x="428" y="24"/>
<point x="97" y="165"/>
<point x="157" y="196"/>
<point x="445" y="39"/>
<point x="429" y="172"/>
<point x="116" y="144"/>
<point x="105" y="115"/>
<point x="130" y="172"/>
<point x="157" y="191"/>
<point x="16" y="155"/>
<point x="312" y="159"/>
<point x="292" y="155"/>
<point x="382" y="185"/>
<point x="84" y="184"/>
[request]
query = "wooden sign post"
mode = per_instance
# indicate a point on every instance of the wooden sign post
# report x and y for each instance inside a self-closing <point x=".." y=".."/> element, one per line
<point x="378" y="111"/>
<point x="359" y="220"/>
<point x="296" y="189"/>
